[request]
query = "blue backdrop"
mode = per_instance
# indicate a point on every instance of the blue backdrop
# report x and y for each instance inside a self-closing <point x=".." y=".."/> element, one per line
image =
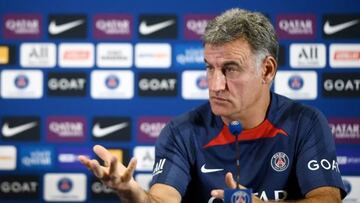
<point x="63" y="96"/>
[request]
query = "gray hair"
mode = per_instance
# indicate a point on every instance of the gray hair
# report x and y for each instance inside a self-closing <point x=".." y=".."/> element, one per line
<point x="254" y="27"/>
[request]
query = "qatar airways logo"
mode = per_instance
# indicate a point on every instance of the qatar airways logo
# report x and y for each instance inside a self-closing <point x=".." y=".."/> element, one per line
<point x="190" y="56"/>
<point x="22" y="26"/>
<point x="345" y="130"/>
<point x="149" y="127"/>
<point x="296" y="26"/>
<point x="112" y="26"/>
<point x="195" y="26"/>
<point x="66" y="128"/>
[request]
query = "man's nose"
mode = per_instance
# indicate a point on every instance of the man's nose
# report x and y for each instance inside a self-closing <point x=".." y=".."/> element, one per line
<point x="217" y="81"/>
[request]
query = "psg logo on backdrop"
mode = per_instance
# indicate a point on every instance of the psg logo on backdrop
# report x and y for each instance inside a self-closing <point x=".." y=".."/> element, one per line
<point x="21" y="81"/>
<point x="296" y="82"/>
<point x="201" y="82"/>
<point x="112" y="82"/>
<point x="65" y="185"/>
<point x="279" y="161"/>
<point x="240" y="197"/>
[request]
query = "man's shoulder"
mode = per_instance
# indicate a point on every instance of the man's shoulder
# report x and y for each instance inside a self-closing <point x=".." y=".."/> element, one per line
<point x="283" y="106"/>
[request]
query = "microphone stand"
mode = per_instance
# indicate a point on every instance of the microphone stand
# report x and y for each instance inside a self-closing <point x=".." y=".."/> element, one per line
<point x="237" y="161"/>
<point x="237" y="194"/>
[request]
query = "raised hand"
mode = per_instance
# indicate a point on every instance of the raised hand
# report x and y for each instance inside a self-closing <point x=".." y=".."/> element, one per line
<point x="113" y="174"/>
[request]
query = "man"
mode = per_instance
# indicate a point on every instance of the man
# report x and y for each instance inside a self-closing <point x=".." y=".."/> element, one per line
<point x="286" y="149"/>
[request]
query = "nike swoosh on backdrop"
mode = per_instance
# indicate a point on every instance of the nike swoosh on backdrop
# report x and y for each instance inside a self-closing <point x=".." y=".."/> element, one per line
<point x="101" y="132"/>
<point x="58" y="29"/>
<point x="9" y="132"/>
<point x="332" y="29"/>
<point x="205" y="170"/>
<point x="149" y="29"/>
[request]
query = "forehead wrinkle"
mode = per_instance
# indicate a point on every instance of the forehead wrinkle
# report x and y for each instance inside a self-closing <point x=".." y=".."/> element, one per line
<point x="219" y="56"/>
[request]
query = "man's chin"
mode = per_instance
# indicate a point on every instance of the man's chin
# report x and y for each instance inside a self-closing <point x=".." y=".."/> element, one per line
<point x="219" y="111"/>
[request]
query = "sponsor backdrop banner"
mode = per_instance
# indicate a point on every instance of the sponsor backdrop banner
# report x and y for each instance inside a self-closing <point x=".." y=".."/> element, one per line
<point x="78" y="73"/>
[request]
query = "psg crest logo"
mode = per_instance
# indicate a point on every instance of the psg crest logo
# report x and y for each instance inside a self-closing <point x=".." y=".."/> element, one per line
<point x="65" y="185"/>
<point x="112" y="82"/>
<point x="279" y="161"/>
<point x="21" y="81"/>
<point x="240" y="197"/>
<point x="296" y="82"/>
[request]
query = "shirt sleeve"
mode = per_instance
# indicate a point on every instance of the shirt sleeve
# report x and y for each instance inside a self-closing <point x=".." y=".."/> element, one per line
<point x="316" y="164"/>
<point x="172" y="162"/>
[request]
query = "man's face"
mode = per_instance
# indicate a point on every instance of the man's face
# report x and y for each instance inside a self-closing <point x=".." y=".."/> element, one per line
<point x="233" y="78"/>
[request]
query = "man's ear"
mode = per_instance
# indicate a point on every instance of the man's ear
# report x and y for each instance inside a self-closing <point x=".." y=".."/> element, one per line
<point x="269" y="69"/>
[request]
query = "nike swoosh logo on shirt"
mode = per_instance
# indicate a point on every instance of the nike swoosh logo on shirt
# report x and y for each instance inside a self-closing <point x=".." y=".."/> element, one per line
<point x="11" y="131"/>
<point x="205" y="170"/>
<point x="102" y="132"/>
<point x="149" y="29"/>
<point x="332" y="29"/>
<point x="58" y="29"/>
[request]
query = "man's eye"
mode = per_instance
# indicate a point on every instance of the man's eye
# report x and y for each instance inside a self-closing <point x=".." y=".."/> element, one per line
<point x="229" y="70"/>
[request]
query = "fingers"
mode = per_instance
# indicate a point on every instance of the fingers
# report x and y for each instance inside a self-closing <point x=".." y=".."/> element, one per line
<point x="218" y="194"/>
<point x="103" y="153"/>
<point x="128" y="174"/>
<point x="84" y="160"/>
<point x="229" y="180"/>
<point x="97" y="169"/>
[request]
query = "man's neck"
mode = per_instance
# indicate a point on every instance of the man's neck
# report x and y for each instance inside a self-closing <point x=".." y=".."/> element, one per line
<point x="253" y="116"/>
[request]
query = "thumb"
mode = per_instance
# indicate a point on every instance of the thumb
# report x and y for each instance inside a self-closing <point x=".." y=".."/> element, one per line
<point x="229" y="180"/>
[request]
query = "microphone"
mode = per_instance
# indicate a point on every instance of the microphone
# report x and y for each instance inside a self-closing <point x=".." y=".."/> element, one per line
<point x="237" y="195"/>
<point x="235" y="129"/>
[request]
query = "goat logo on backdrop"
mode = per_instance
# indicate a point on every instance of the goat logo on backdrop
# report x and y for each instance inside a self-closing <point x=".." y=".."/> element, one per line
<point x="341" y="84"/>
<point x="99" y="191"/>
<point x="20" y="187"/>
<point x="70" y="84"/>
<point x="157" y="84"/>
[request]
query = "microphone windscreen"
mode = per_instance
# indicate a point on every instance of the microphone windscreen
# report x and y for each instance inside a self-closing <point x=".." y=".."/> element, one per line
<point x="235" y="128"/>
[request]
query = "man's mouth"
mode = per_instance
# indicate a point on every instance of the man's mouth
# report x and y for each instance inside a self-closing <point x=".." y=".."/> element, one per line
<point x="219" y="99"/>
